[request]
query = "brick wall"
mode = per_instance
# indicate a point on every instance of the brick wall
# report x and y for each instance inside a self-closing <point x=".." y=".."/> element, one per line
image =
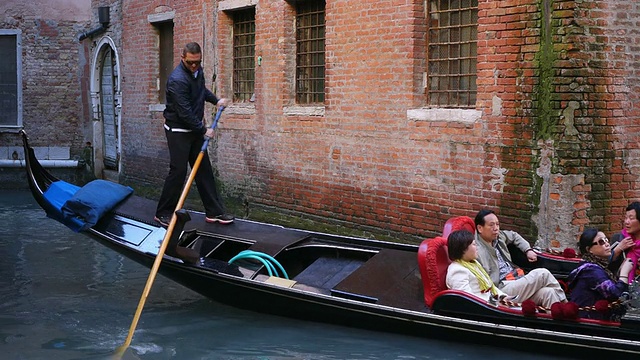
<point x="620" y="105"/>
<point x="562" y="71"/>
<point x="551" y="144"/>
<point x="349" y="163"/>
<point x="363" y="161"/>
<point x="52" y="72"/>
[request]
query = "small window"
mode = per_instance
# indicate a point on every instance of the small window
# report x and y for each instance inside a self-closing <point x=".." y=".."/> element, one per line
<point x="10" y="79"/>
<point x="244" y="50"/>
<point x="165" y="42"/>
<point x="310" y="35"/>
<point x="452" y="53"/>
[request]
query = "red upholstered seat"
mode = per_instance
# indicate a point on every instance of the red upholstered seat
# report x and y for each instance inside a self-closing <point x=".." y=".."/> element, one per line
<point x="433" y="261"/>
<point x="433" y="257"/>
<point x="458" y="223"/>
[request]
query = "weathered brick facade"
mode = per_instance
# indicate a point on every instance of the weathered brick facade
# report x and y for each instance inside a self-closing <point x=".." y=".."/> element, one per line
<point x="551" y="145"/>
<point x="54" y="67"/>
<point x="552" y="149"/>
<point x="564" y="73"/>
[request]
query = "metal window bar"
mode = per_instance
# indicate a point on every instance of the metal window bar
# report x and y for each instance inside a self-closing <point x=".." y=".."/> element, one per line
<point x="310" y="66"/>
<point x="452" y="53"/>
<point x="9" y="86"/>
<point x="244" y="49"/>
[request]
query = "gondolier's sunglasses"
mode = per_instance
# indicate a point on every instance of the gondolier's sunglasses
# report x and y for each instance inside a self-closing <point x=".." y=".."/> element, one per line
<point x="192" y="62"/>
<point x="600" y="242"/>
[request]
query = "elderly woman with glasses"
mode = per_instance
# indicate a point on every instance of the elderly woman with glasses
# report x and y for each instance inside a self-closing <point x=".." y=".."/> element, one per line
<point x="592" y="280"/>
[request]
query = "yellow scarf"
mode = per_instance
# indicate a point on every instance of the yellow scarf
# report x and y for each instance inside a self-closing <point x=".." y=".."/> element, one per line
<point x="483" y="278"/>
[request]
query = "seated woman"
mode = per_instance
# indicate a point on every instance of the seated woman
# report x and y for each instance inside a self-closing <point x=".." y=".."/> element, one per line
<point x="592" y="280"/>
<point x="464" y="272"/>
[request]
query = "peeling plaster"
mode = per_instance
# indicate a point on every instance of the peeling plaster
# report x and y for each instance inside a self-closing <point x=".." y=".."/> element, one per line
<point x="568" y="118"/>
<point x="558" y="199"/>
<point x="496" y="106"/>
<point x="497" y="181"/>
<point x="631" y="159"/>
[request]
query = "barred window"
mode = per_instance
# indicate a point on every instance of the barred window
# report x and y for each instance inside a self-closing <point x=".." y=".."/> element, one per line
<point x="244" y="49"/>
<point x="10" y="78"/>
<point x="452" y="53"/>
<point x="310" y="30"/>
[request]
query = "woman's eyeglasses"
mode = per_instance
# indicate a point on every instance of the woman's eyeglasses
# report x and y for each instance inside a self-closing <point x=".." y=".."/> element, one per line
<point x="601" y="242"/>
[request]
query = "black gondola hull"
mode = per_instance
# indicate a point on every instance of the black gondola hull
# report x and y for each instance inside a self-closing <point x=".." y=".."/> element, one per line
<point x="341" y="280"/>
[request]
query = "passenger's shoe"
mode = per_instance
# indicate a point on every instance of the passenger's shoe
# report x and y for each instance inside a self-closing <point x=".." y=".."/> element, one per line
<point x="162" y="220"/>
<point x="222" y="219"/>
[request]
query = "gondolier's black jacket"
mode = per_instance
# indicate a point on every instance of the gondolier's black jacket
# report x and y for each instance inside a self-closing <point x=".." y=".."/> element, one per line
<point x="185" y="100"/>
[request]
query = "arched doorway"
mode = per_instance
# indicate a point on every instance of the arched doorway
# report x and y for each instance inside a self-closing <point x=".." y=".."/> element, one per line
<point x="106" y="101"/>
<point x="108" y="110"/>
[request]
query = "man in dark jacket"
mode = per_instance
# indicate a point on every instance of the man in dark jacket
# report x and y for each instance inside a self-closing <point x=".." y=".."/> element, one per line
<point x="185" y="131"/>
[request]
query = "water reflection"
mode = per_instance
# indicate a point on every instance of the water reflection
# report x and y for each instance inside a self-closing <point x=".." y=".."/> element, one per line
<point x="65" y="296"/>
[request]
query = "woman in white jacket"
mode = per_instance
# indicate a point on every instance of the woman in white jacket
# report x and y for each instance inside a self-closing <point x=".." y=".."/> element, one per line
<point x="465" y="273"/>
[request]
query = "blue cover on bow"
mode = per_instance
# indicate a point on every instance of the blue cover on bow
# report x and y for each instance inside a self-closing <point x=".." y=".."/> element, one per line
<point x="81" y="208"/>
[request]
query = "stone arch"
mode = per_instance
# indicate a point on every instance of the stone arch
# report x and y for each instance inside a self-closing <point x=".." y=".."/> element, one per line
<point x="106" y="104"/>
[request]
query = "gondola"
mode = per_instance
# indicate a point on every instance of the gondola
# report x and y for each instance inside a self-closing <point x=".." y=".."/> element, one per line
<point x="365" y="283"/>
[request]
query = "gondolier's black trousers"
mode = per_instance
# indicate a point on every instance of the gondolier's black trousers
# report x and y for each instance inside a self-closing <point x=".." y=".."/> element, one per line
<point x="185" y="147"/>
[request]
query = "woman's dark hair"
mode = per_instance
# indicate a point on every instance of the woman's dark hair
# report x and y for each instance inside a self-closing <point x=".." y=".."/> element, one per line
<point x="586" y="239"/>
<point x="634" y="206"/>
<point x="457" y="242"/>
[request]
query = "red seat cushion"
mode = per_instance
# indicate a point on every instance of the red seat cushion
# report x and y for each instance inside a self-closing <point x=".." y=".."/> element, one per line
<point x="433" y="257"/>
<point x="433" y="261"/>
<point x="458" y="223"/>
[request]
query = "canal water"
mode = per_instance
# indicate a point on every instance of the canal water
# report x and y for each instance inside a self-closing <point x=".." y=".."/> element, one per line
<point x="64" y="296"/>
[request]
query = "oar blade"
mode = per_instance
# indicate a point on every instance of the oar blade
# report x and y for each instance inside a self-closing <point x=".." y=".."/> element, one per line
<point x="124" y="353"/>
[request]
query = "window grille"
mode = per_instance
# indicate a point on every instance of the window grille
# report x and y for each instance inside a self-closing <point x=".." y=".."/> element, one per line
<point x="452" y="53"/>
<point x="310" y="35"/>
<point x="10" y="78"/>
<point x="244" y="49"/>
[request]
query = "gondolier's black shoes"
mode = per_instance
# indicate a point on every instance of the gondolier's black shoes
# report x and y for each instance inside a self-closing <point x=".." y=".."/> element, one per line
<point x="162" y="220"/>
<point x="222" y="219"/>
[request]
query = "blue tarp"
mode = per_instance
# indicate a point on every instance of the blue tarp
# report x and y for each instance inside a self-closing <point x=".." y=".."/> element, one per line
<point x="79" y="208"/>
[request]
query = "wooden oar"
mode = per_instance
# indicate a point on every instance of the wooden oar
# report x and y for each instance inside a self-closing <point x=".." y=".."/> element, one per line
<point x="165" y="241"/>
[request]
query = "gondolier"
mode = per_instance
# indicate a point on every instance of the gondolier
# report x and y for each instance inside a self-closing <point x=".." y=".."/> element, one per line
<point x="184" y="128"/>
